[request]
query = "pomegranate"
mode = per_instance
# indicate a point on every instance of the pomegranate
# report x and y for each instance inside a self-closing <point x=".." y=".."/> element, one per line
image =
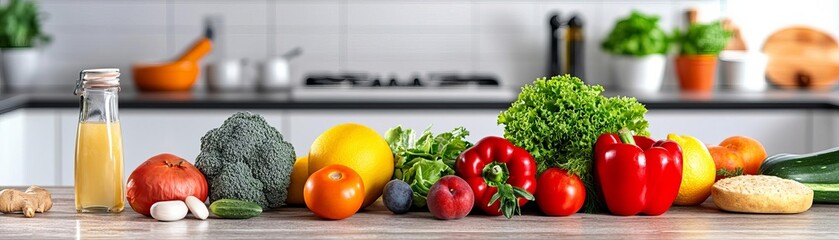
<point x="162" y="178"/>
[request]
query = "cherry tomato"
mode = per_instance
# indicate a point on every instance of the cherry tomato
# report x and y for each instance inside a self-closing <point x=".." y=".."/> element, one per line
<point x="559" y="193"/>
<point x="334" y="192"/>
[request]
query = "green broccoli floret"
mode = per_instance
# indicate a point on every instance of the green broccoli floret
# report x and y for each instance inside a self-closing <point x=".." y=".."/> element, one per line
<point x="247" y="159"/>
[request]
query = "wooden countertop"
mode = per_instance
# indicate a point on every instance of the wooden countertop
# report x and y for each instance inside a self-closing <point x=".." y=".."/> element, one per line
<point x="704" y="221"/>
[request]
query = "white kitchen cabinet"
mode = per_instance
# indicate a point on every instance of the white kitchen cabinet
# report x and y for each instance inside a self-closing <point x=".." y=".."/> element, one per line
<point x="28" y="147"/>
<point x="147" y="133"/>
<point x="69" y="122"/>
<point x="37" y="145"/>
<point x="306" y="125"/>
<point x="11" y="148"/>
<point x="40" y="147"/>
<point x="825" y="130"/>
<point x="780" y="131"/>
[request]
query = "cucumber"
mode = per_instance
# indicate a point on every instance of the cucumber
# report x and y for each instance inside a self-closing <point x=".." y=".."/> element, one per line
<point x="235" y="209"/>
<point x="818" y="170"/>
<point x="824" y="193"/>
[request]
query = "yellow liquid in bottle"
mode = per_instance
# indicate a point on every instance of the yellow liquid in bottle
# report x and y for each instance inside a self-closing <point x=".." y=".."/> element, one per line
<point x="99" y="168"/>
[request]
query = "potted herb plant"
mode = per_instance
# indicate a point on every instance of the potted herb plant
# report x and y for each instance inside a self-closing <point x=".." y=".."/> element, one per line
<point x="699" y="47"/>
<point x="638" y="47"/>
<point x="20" y="34"/>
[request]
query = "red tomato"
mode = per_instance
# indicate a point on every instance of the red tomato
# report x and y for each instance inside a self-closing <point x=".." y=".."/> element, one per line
<point x="162" y="178"/>
<point x="334" y="192"/>
<point x="559" y="193"/>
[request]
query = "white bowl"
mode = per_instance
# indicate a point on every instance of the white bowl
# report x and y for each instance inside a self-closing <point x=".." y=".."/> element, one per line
<point x="743" y="71"/>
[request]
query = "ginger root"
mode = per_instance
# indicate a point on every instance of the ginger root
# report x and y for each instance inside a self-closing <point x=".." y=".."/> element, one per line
<point x="35" y="199"/>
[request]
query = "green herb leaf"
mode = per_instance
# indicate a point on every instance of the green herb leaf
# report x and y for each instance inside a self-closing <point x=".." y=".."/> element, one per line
<point x="637" y="35"/>
<point x="702" y="39"/>
<point x="20" y="25"/>
<point x="722" y="172"/>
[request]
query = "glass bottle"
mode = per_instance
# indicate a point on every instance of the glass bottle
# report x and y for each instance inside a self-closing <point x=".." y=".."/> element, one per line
<point x="99" y="161"/>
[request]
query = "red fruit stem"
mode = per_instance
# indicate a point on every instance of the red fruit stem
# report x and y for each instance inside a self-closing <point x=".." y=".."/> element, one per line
<point x="168" y="164"/>
<point x="626" y="136"/>
<point x="496" y="173"/>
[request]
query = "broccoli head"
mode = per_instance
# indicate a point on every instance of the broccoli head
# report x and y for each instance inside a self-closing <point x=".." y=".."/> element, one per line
<point x="247" y="159"/>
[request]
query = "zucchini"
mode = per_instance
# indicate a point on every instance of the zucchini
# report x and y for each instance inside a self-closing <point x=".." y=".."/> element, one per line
<point x="818" y="170"/>
<point x="236" y="209"/>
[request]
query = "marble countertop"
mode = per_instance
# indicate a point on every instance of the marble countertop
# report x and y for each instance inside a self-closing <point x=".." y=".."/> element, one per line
<point x="704" y="221"/>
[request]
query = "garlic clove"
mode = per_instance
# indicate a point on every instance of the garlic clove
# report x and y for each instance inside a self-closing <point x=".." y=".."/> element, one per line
<point x="167" y="211"/>
<point x="197" y="207"/>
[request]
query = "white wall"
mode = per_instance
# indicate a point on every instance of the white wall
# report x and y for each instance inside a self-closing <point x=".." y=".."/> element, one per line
<point x="505" y="37"/>
<point x="758" y="21"/>
<point x="508" y="38"/>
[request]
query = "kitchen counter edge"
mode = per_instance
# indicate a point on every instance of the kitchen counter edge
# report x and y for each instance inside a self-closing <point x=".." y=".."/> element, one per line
<point x="664" y="100"/>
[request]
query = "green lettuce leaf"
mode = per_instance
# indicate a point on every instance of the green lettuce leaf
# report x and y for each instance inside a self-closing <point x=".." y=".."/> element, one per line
<point x="422" y="161"/>
<point x="422" y="175"/>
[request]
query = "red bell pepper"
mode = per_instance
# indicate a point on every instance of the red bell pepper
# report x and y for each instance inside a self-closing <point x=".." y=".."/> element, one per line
<point x="637" y="174"/>
<point x="502" y="175"/>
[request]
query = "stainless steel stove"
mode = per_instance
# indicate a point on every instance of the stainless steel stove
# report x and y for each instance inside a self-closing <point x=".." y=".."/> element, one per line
<point x="430" y="87"/>
<point x="434" y="80"/>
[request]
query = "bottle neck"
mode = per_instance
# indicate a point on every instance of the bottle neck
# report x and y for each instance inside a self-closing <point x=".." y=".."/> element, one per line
<point x="99" y="105"/>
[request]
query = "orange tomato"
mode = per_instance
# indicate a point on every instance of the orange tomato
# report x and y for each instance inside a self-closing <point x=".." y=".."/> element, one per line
<point x="334" y="192"/>
<point x="727" y="159"/>
<point x="749" y="149"/>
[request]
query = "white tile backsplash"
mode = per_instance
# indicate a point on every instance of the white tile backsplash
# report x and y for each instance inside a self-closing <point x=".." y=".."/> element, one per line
<point x="308" y="14"/>
<point x="499" y="16"/>
<point x="515" y="73"/>
<point x="503" y="37"/>
<point x="235" y="13"/>
<point x="314" y="46"/>
<point x="104" y="13"/>
<point x="409" y="47"/>
<point x="496" y="46"/>
<point x="410" y="14"/>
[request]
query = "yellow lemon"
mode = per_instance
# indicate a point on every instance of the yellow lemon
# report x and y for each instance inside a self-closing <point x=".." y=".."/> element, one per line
<point x="299" y="175"/>
<point x="360" y="148"/>
<point x="698" y="170"/>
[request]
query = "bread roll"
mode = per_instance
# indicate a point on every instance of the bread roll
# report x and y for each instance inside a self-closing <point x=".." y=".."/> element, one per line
<point x="761" y="194"/>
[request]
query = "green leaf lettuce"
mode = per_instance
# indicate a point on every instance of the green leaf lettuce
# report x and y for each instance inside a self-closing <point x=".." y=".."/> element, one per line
<point x="559" y="119"/>
<point x="422" y="161"/>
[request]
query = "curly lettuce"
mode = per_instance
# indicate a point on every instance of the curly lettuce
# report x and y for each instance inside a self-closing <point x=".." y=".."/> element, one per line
<point x="558" y="121"/>
<point x="422" y="161"/>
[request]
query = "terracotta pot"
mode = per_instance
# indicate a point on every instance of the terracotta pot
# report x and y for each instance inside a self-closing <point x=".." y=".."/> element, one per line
<point x="696" y="72"/>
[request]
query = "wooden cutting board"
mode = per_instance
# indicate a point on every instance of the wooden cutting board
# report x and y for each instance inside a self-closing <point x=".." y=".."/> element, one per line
<point x="802" y="58"/>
